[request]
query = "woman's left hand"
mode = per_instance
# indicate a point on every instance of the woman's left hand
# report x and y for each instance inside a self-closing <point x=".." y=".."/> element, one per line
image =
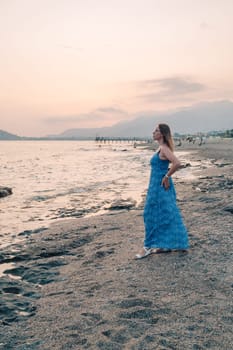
<point x="165" y="183"/>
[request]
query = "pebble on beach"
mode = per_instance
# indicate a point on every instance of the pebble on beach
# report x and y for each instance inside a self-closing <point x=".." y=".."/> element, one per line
<point x="5" y="191"/>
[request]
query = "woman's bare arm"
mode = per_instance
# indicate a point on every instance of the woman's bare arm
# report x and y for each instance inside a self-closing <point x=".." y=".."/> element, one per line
<point x="166" y="153"/>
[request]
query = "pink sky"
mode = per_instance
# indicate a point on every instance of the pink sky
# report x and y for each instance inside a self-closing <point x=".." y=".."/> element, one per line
<point x="74" y="63"/>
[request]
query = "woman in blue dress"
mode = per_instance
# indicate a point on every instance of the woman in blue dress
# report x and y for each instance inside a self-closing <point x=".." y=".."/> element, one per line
<point x="164" y="227"/>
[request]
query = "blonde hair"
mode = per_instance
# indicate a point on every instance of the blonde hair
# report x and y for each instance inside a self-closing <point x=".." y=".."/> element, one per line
<point x="167" y="136"/>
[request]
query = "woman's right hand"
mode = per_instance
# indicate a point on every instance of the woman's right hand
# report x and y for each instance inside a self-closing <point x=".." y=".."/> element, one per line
<point x="165" y="182"/>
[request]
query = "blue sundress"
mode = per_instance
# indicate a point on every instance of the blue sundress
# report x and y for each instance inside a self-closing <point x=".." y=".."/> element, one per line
<point x="164" y="227"/>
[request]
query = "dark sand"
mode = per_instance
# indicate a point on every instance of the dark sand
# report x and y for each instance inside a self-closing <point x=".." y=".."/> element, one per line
<point x="76" y="285"/>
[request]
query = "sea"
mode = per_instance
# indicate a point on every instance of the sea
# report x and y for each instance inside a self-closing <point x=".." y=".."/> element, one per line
<point x="60" y="180"/>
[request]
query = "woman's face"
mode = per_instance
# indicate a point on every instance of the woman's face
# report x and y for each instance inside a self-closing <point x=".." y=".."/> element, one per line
<point x="157" y="134"/>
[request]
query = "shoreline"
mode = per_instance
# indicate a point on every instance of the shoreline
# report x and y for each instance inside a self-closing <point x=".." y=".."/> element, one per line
<point x="76" y="284"/>
<point x="31" y="215"/>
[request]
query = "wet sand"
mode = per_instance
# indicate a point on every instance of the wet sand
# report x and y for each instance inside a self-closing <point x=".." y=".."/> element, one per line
<point x="77" y="285"/>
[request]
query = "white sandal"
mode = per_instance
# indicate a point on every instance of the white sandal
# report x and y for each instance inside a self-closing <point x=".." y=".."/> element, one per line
<point x="147" y="251"/>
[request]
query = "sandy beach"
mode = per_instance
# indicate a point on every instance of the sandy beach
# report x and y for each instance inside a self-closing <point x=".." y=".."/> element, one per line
<point x="77" y="285"/>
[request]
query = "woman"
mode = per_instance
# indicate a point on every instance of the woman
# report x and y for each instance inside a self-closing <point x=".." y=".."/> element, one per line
<point x="164" y="228"/>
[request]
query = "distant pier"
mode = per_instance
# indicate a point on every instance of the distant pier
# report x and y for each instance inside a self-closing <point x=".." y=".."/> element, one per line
<point x="122" y="139"/>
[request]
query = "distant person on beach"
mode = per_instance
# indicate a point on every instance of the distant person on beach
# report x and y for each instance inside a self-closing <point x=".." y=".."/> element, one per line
<point x="164" y="227"/>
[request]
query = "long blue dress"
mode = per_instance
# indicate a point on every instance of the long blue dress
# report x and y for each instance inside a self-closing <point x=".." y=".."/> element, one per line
<point x="164" y="227"/>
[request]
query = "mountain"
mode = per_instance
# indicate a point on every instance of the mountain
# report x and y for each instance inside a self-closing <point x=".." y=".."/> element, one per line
<point x="7" y="136"/>
<point x="203" y="117"/>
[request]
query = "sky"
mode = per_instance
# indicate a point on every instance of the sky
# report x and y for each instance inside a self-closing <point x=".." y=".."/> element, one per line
<point x="68" y="64"/>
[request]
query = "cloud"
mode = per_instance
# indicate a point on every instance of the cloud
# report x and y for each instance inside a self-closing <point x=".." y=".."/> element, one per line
<point x="204" y="25"/>
<point x="66" y="118"/>
<point x="112" y="110"/>
<point x="98" y="115"/>
<point x="169" y="88"/>
<point x="70" y="47"/>
<point x="175" y="84"/>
